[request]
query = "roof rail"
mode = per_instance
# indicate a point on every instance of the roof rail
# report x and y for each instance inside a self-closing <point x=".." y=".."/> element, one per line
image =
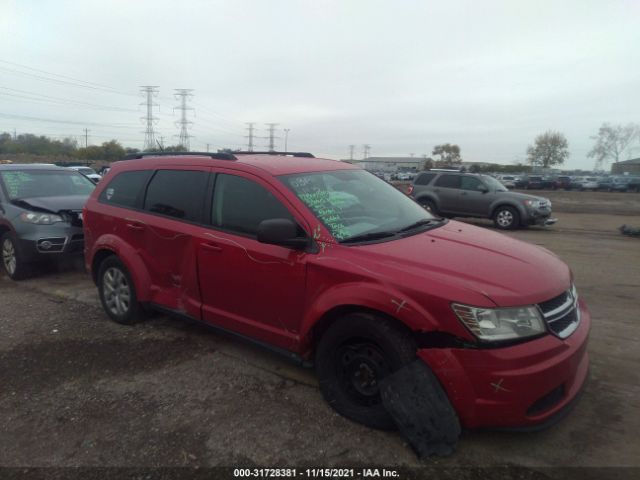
<point x="290" y="154"/>
<point x="217" y="156"/>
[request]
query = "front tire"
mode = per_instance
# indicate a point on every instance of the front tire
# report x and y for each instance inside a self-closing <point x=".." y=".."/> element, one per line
<point x="118" y="293"/>
<point x="353" y="355"/>
<point x="430" y="206"/>
<point x="13" y="261"/>
<point x="506" y="218"/>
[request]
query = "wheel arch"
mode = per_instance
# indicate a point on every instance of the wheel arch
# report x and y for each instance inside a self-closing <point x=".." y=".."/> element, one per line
<point x="502" y="203"/>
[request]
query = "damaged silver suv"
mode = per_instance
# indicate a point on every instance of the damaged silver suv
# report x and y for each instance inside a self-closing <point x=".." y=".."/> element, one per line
<point x="40" y="215"/>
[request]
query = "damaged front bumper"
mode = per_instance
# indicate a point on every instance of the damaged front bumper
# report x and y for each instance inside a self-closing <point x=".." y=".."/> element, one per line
<point x="521" y="386"/>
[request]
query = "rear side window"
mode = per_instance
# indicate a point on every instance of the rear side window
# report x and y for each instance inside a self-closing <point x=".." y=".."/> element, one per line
<point x="424" y="178"/>
<point x="239" y="205"/>
<point x="177" y="193"/>
<point x="125" y="189"/>
<point x="448" y="181"/>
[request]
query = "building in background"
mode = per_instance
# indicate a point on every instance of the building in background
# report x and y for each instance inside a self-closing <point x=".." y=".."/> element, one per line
<point x="631" y="167"/>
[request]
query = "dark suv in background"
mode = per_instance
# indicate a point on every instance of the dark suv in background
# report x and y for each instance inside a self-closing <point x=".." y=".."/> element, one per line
<point x="455" y="194"/>
<point x="40" y="214"/>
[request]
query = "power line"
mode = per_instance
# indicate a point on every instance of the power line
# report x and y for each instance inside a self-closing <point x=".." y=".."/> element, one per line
<point x="182" y="95"/>
<point x="69" y="122"/>
<point x="150" y="91"/>
<point x="271" y="137"/>
<point x="38" y="98"/>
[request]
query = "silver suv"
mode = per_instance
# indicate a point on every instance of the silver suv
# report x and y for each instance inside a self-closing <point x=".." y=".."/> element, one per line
<point x="456" y="194"/>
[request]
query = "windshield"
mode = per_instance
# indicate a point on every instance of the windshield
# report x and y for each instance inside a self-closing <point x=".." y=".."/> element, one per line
<point x="354" y="203"/>
<point x="493" y="184"/>
<point x="45" y="183"/>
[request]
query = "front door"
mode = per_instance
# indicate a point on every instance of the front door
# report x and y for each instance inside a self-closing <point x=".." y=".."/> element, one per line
<point x="252" y="288"/>
<point x="472" y="200"/>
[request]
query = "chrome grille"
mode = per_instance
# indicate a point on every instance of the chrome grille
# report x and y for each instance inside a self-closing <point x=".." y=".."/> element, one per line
<point x="562" y="313"/>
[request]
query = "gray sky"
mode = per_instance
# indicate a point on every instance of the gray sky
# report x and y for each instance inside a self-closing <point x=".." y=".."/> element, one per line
<point x="400" y="75"/>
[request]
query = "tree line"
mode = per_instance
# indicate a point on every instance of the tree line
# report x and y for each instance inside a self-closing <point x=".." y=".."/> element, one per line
<point x="67" y="148"/>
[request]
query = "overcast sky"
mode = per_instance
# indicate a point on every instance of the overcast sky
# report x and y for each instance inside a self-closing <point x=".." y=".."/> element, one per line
<point x="399" y="75"/>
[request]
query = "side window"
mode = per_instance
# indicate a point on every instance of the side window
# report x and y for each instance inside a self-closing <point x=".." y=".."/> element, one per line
<point x="125" y="188"/>
<point x="239" y="205"/>
<point x="448" y="181"/>
<point x="424" y="178"/>
<point x="177" y="193"/>
<point x="471" y="183"/>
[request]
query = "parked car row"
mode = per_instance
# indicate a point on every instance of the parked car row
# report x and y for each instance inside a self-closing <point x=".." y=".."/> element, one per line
<point x="621" y="183"/>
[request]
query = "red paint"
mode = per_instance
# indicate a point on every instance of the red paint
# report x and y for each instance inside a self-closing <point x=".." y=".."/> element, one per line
<point x="277" y="295"/>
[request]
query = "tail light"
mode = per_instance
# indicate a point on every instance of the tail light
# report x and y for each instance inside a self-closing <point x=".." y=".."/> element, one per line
<point x="410" y="190"/>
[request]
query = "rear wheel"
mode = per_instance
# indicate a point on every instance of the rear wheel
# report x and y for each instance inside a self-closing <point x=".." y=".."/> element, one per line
<point x="118" y="293"/>
<point x="506" y="218"/>
<point x="353" y="355"/>
<point x="430" y="206"/>
<point x="12" y="259"/>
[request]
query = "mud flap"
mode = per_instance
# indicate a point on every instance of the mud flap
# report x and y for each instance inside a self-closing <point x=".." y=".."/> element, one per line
<point x="421" y="410"/>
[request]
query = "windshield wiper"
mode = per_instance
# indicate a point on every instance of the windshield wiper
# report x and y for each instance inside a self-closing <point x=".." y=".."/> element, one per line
<point x="368" y="236"/>
<point x="420" y="223"/>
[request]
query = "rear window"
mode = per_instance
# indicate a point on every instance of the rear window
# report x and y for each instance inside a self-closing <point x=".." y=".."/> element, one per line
<point x="125" y="189"/>
<point x="424" y="178"/>
<point x="448" y="181"/>
<point x="177" y="193"/>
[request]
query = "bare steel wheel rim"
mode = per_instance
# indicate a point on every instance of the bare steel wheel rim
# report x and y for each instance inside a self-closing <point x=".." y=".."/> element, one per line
<point x="116" y="291"/>
<point x="505" y="218"/>
<point x="9" y="256"/>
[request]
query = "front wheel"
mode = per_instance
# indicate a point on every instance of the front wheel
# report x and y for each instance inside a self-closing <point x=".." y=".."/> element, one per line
<point x="118" y="293"/>
<point x="353" y="355"/>
<point x="506" y="218"/>
<point x="12" y="259"/>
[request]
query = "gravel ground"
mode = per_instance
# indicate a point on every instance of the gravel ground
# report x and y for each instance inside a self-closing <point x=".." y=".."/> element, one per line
<point x="79" y="390"/>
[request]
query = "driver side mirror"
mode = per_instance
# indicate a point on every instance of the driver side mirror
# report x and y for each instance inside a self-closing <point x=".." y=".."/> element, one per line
<point x="283" y="232"/>
<point x="483" y="189"/>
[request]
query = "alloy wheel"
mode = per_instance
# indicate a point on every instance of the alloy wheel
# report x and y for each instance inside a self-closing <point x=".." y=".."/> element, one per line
<point x="9" y="256"/>
<point x="116" y="291"/>
<point x="504" y="218"/>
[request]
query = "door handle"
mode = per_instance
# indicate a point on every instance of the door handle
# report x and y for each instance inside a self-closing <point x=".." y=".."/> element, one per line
<point x="211" y="246"/>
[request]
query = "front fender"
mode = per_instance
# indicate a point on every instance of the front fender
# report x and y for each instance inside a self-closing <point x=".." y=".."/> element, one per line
<point x="382" y="298"/>
<point x="129" y="256"/>
<point x="519" y="207"/>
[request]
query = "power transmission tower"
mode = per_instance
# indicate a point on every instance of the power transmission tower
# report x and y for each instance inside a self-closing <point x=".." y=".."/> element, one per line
<point x="86" y="137"/>
<point x="272" y="137"/>
<point x="251" y="129"/>
<point x="286" y="139"/>
<point x="351" y="150"/>
<point x="366" y="150"/>
<point x="183" y="94"/>
<point x="150" y="91"/>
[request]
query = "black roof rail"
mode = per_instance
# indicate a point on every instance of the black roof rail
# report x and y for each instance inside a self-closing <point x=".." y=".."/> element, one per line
<point x="217" y="156"/>
<point x="290" y="154"/>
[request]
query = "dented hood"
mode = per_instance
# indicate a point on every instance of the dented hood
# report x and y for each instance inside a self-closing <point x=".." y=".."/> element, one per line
<point x="53" y="204"/>
<point x="458" y="257"/>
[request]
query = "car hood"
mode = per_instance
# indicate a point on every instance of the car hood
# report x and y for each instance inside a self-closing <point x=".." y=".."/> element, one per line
<point x="457" y="260"/>
<point x="520" y="196"/>
<point x="53" y="204"/>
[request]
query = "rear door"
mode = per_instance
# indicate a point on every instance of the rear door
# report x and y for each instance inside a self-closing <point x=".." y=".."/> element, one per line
<point x="447" y="188"/>
<point x="252" y="288"/>
<point x="169" y="228"/>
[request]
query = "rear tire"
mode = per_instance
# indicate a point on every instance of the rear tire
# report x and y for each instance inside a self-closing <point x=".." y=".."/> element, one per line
<point x="118" y="293"/>
<point x="353" y="355"/>
<point x="430" y="206"/>
<point x="506" y="218"/>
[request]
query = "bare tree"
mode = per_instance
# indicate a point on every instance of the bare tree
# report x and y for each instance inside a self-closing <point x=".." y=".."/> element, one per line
<point x="550" y="148"/>
<point x="612" y="142"/>
<point x="449" y="154"/>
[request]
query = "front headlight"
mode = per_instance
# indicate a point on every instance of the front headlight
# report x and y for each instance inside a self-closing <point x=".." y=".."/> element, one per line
<point x="537" y="203"/>
<point x="494" y="324"/>
<point x="41" y="218"/>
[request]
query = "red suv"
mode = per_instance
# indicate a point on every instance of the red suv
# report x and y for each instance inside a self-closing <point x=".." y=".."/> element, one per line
<point x="326" y="263"/>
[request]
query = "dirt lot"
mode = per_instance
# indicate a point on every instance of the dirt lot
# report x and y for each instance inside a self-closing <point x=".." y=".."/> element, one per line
<point x="79" y="390"/>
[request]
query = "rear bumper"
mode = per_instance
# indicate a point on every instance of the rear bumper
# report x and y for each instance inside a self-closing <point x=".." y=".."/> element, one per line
<point x="525" y="386"/>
